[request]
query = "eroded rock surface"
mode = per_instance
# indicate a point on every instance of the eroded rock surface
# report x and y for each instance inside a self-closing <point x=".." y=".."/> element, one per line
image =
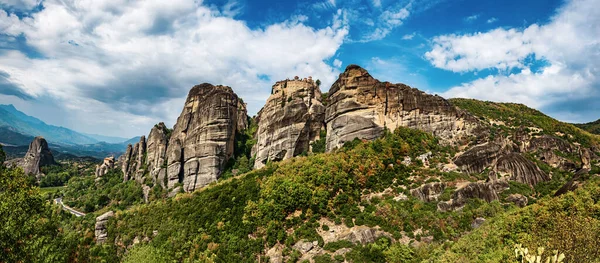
<point x="488" y="191"/>
<point x="107" y="164"/>
<point x="361" y="107"/>
<point x="203" y="137"/>
<point x="428" y="192"/>
<point x="132" y="161"/>
<point x="101" y="233"/>
<point x="156" y="153"/>
<point x="290" y="120"/>
<point x="37" y="156"/>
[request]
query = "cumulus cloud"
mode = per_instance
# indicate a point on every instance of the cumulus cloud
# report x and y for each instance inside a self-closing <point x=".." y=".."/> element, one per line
<point x="23" y="5"/>
<point x="492" y="20"/>
<point x="131" y="63"/>
<point x="568" y="44"/>
<point x="337" y="63"/>
<point x="387" y="21"/>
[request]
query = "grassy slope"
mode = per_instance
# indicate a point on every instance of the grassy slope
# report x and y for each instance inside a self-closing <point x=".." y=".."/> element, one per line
<point x="518" y="115"/>
<point x="592" y="127"/>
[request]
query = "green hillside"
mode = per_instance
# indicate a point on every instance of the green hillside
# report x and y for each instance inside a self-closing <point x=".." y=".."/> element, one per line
<point x="592" y="127"/>
<point x="364" y="186"/>
<point x="506" y="118"/>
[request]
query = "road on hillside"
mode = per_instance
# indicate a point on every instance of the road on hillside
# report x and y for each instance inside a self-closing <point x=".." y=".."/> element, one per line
<point x="65" y="207"/>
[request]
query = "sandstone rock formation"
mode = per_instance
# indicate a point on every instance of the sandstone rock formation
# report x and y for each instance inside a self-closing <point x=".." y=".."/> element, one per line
<point x="133" y="161"/>
<point x="101" y="233"/>
<point x="37" y="156"/>
<point x="157" y="153"/>
<point x="203" y="137"/>
<point x="290" y="120"/>
<point x="501" y="159"/>
<point x="488" y="191"/>
<point x="107" y="164"/>
<point x="362" y="107"/>
<point x="428" y="192"/>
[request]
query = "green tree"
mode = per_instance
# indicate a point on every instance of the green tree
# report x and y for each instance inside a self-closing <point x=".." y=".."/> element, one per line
<point x="2" y="157"/>
<point x="29" y="231"/>
<point x="146" y="253"/>
<point x="318" y="82"/>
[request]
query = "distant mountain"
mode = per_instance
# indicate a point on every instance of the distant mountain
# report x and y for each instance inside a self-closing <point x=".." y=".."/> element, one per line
<point x="26" y="125"/>
<point x="18" y="129"/>
<point x="108" y="139"/>
<point x="592" y="127"/>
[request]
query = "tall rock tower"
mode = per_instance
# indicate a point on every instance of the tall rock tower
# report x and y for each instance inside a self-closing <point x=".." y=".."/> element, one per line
<point x="290" y="120"/>
<point x="203" y="137"/>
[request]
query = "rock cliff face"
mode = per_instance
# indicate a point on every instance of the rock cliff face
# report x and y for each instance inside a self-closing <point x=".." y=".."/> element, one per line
<point x="37" y="156"/>
<point x="156" y="153"/>
<point x="203" y="137"/>
<point x="290" y="120"/>
<point x="362" y="107"/>
<point x="101" y="233"/>
<point x="132" y="161"/>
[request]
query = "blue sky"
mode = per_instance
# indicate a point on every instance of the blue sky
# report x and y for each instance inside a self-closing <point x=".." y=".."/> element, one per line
<point x="117" y="67"/>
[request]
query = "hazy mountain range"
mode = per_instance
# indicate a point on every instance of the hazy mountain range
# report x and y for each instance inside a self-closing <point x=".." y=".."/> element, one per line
<point x="18" y="129"/>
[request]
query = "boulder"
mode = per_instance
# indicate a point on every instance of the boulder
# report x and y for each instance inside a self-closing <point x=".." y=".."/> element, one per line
<point x="101" y="233"/>
<point x="478" y="222"/>
<point x="202" y="140"/>
<point x="37" y="156"/>
<point x="518" y="199"/>
<point x="361" y="106"/>
<point x="289" y="122"/>
<point x="428" y="192"/>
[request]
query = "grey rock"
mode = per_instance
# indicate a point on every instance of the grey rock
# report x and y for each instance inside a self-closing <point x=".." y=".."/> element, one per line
<point x="488" y="191"/>
<point x="478" y="222"/>
<point x="517" y="199"/>
<point x="303" y="246"/>
<point x="157" y="153"/>
<point x="101" y="233"/>
<point x="37" y="156"/>
<point x="428" y="192"/>
<point x="289" y="122"/>
<point x="107" y="164"/>
<point x="203" y="137"/>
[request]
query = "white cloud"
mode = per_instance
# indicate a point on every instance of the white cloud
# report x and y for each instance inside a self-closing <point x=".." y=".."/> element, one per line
<point x="409" y="36"/>
<point x="337" y="63"/>
<point x="131" y="63"/>
<point x="492" y="20"/>
<point x="377" y="3"/>
<point x="387" y="21"/>
<point x="569" y="44"/>
<point x="472" y="18"/>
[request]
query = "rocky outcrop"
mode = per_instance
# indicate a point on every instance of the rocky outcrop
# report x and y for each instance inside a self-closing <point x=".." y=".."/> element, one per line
<point x="290" y="120"/>
<point x="203" y="137"/>
<point x="517" y="199"/>
<point x="521" y="169"/>
<point x="488" y="191"/>
<point x="37" y="156"/>
<point x="157" y="153"/>
<point x="132" y="161"/>
<point x="107" y="164"/>
<point x="428" y="192"/>
<point x="101" y="232"/>
<point x="124" y="160"/>
<point x="501" y="159"/>
<point x="362" y="107"/>
<point x="479" y="157"/>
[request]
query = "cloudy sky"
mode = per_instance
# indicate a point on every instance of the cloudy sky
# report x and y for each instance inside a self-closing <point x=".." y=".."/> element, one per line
<point x="116" y="67"/>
